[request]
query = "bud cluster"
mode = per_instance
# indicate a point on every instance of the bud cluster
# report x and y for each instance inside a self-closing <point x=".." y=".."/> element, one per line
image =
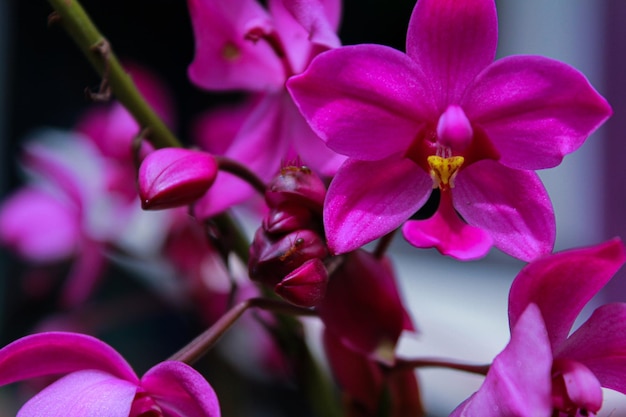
<point x="289" y="248"/>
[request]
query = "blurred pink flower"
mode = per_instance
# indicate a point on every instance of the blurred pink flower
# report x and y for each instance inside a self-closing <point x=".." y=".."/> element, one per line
<point x="444" y="115"/>
<point x="99" y="381"/>
<point x="362" y="307"/>
<point x="240" y="46"/>
<point x="81" y="199"/>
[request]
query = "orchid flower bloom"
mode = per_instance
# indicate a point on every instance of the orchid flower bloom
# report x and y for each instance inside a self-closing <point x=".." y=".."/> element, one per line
<point x="242" y="46"/>
<point x="100" y="382"/>
<point x="445" y="116"/>
<point x="545" y="370"/>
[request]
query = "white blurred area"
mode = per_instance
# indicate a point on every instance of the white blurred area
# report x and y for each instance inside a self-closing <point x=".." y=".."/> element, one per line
<point x="459" y="308"/>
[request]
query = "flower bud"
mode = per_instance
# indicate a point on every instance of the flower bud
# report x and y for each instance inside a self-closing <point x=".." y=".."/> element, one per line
<point x="287" y="218"/>
<point x="306" y="285"/>
<point x="298" y="185"/>
<point x="272" y="258"/>
<point x="173" y="177"/>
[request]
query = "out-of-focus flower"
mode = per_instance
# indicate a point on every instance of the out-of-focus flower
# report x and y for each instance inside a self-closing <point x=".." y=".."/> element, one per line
<point x="364" y="316"/>
<point x="363" y="308"/>
<point x="545" y="371"/>
<point x="240" y="46"/>
<point x="99" y="381"/>
<point x="444" y="115"/>
<point x="80" y="199"/>
<point x="174" y="177"/>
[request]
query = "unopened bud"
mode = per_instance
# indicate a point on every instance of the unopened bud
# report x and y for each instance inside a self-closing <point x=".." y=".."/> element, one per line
<point x="287" y="218"/>
<point x="298" y="185"/>
<point x="306" y="285"/>
<point x="173" y="177"/>
<point x="272" y="258"/>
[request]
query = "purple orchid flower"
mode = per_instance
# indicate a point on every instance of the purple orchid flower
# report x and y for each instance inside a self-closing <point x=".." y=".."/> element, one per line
<point x="100" y="382"/>
<point x="542" y="371"/>
<point x="242" y="46"/>
<point x="444" y="115"/>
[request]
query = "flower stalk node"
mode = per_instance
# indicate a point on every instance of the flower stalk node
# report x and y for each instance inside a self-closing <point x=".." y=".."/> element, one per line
<point x="103" y="49"/>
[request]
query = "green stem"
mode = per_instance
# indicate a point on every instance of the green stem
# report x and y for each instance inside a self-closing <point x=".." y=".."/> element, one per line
<point x="81" y="29"/>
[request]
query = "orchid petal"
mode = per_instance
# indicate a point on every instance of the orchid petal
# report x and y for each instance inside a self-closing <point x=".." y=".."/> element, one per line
<point x="319" y="18"/>
<point x="452" y="42"/>
<point x="85" y="273"/>
<point x="179" y="390"/>
<point x="260" y="145"/>
<point x="362" y="306"/>
<point x="68" y="163"/>
<point x="535" y="110"/>
<point x="39" y="226"/>
<point x="600" y="344"/>
<point x="511" y="205"/>
<point x="224" y="59"/>
<point x="518" y="383"/>
<point x="561" y="285"/>
<point x="574" y="383"/>
<point x="82" y="394"/>
<point x="367" y="200"/>
<point x="358" y="376"/>
<point x="365" y="101"/>
<point x="294" y="38"/>
<point x="53" y="353"/>
<point x="311" y="150"/>
<point x="215" y="130"/>
<point x="448" y="233"/>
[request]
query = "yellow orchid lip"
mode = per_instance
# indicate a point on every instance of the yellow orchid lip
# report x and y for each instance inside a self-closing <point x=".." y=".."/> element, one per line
<point x="444" y="170"/>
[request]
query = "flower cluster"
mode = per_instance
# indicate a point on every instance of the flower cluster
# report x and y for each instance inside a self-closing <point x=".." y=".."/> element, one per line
<point x="377" y="134"/>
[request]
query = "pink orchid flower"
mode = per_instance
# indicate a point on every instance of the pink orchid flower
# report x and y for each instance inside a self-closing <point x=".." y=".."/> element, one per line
<point x="545" y="370"/>
<point x="242" y="46"/>
<point x="100" y="382"/>
<point x="445" y="116"/>
<point x="80" y="199"/>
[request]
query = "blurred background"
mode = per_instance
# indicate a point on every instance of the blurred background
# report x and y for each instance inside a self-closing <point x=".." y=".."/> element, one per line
<point x="460" y="309"/>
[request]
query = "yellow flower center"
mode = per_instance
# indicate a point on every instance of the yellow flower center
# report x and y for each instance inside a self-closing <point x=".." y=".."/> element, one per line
<point x="444" y="170"/>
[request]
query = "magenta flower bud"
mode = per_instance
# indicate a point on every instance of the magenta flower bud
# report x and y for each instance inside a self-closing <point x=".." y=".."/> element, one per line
<point x="299" y="185"/>
<point x="173" y="177"/>
<point x="272" y="258"/>
<point x="287" y="218"/>
<point x="306" y="285"/>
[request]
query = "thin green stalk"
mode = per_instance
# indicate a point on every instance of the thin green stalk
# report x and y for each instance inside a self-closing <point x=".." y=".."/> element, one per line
<point x="90" y="41"/>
